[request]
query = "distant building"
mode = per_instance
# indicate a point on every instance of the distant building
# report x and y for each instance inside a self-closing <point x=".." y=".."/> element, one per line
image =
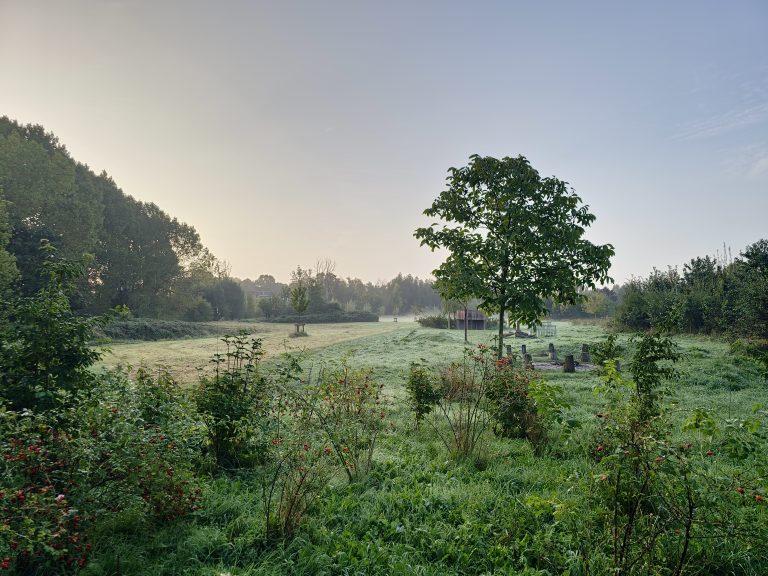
<point x="474" y="318"/>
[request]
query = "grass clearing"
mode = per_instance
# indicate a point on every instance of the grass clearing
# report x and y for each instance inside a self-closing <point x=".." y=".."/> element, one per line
<point x="183" y="358"/>
<point x="420" y="511"/>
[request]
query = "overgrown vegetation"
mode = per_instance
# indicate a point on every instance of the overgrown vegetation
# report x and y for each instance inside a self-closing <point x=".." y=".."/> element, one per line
<point x="312" y="464"/>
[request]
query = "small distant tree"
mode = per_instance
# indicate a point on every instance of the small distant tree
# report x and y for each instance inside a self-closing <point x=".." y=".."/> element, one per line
<point x="514" y="239"/>
<point x="300" y="290"/>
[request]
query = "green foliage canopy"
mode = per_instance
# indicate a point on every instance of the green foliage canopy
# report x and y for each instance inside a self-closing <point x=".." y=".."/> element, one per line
<point x="143" y="258"/>
<point x="514" y="238"/>
<point x="8" y="271"/>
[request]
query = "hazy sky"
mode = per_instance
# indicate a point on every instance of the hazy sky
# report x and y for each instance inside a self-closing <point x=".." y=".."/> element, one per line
<point x="289" y="131"/>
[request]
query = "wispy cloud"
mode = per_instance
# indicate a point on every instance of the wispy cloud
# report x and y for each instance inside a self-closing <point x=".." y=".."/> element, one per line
<point x="759" y="168"/>
<point x="747" y="104"/>
<point x="725" y="122"/>
<point x="750" y="161"/>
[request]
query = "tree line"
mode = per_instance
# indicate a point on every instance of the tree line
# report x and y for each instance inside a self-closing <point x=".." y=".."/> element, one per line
<point x="139" y="258"/>
<point x="710" y="295"/>
<point x="327" y="292"/>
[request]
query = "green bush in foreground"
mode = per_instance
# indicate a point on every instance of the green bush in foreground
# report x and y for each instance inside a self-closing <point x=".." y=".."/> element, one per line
<point x="662" y="501"/>
<point x="78" y="448"/>
<point x="232" y="400"/>
<point x="44" y="352"/>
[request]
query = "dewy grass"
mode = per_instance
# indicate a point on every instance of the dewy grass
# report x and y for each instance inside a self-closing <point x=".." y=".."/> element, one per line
<point x="419" y="511"/>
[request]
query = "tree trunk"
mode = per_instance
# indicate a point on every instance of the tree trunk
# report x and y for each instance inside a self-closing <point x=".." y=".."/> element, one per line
<point x="465" y="325"/>
<point x="501" y="333"/>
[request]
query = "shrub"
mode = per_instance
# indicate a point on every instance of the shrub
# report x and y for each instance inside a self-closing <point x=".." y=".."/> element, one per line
<point x="512" y="409"/>
<point x="325" y="318"/>
<point x="231" y="401"/>
<point x="350" y="410"/>
<point x="607" y="350"/>
<point x="423" y="393"/>
<point x="463" y="401"/>
<point x="75" y="446"/>
<point x="433" y="321"/>
<point x="199" y="311"/>
<point x="663" y="501"/>
<point x="68" y="469"/>
<point x="41" y="528"/>
<point x="297" y="463"/>
<point x="151" y="329"/>
<point x="753" y="348"/>
<point x="44" y="351"/>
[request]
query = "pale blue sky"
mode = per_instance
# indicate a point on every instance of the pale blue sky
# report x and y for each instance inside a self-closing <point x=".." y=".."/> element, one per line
<point x="290" y="131"/>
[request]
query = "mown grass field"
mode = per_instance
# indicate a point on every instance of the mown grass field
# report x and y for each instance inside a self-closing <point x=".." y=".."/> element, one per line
<point x="709" y="374"/>
<point x="419" y="511"/>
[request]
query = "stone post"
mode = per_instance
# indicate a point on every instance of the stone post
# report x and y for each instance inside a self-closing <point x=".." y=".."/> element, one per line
<point x="585" y="357"/>
<point x="570" y="365"/>
<point x="552" y="353"/>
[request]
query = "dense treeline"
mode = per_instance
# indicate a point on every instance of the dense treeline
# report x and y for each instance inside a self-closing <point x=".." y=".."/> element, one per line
<point x="327" y="292"/>
<point x="141" y="259"/>
<point x="709" y="296"/>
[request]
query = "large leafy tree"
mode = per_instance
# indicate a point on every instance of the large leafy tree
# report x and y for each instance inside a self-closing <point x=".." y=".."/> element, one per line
<point x="514" y="239"/>
<point x="49" y="198"/>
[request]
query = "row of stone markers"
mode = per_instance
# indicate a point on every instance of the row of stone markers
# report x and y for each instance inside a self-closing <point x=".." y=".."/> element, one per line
<point x="569" y="363"/>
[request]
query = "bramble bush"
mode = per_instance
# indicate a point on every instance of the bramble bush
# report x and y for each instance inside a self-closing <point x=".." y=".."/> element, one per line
<point x="41" y="528"/>
<point x="66" y="470"/>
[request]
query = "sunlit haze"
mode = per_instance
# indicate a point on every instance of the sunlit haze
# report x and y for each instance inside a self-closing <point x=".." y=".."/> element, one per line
<point x="290" y="131"/>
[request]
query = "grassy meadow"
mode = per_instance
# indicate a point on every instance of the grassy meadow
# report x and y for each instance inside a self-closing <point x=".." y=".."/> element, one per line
<point x="419" y="511"/>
